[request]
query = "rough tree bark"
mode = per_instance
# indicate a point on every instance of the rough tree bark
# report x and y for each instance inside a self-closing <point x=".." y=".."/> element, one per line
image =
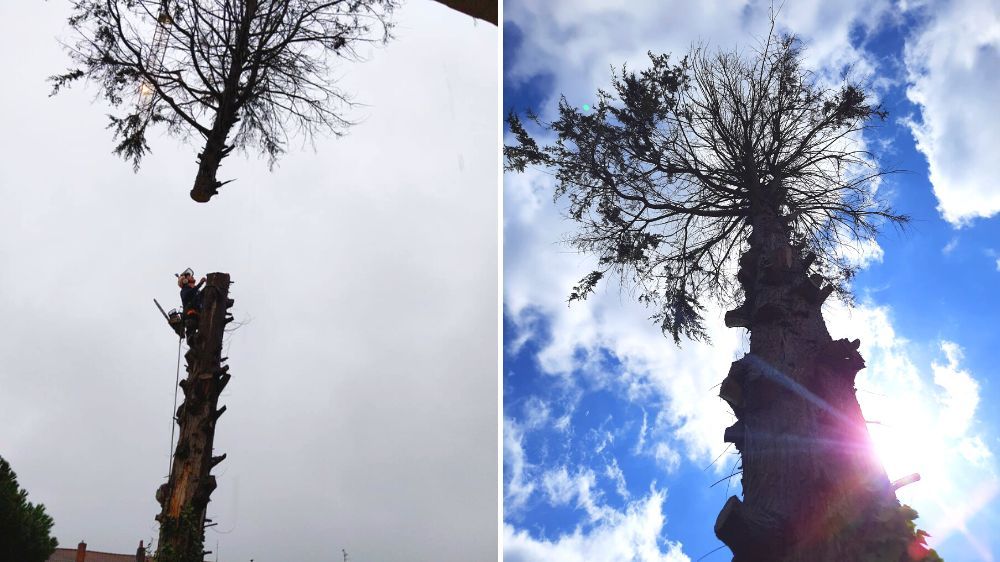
<point x="812" y="485"/>
<point x="185" y="496"/>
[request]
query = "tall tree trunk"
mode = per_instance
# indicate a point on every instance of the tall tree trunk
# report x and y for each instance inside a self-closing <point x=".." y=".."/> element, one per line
<point x="813" y="489"/>
<point x="206" y="185"/>
<point x="185" y="496"/>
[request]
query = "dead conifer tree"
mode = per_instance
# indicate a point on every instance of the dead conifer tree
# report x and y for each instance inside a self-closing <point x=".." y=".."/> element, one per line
<point x="241" y="74"/>
<point x="184" y="498"/>
<point x="741" y="178"/>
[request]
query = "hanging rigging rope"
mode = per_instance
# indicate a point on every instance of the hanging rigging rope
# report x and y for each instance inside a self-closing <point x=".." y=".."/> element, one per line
<point x="173" y="416"/>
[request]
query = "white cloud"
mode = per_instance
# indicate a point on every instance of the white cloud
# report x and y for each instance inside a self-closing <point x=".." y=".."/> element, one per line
<point x="641" y="440"/>
<point x="537" y="277"/>
<point x="536" y="413"/>
<point x="667" y="457"/>
<point x="950" y="246"/>
<point x="952" y="60"/>
<point x="630" y="535"/>
<point x="615" y="473"/>
<point x="577" y="42"/>
<point x="517" y="486"/>
<point x="561" y="488"/>
<point x="961" y="392"/>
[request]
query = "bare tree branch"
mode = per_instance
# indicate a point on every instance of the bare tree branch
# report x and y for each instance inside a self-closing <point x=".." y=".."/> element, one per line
<point x="662" y="174"/>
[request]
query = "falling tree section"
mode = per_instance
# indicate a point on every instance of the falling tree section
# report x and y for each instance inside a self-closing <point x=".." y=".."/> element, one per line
<point x="184" y="498"/>
<point x="210" y="158"/>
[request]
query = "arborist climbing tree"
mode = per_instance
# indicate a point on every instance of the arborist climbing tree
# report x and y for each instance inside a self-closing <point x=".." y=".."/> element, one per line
<point x="734" y="178"/>
<point x="244" y="74"/>
<point x="190" y="302"/>
<point x="185" y="496"/>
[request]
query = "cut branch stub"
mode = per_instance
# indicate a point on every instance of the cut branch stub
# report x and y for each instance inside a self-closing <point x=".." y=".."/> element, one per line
<point x="842" y="356"/>
<point x="813" y="290"/>
<point x="744" y="316"/>
<point x="744" y="533"/>
<point x="824" y="293"/>
<point x="732" y="392"/>
<point x="222" y="382"/>
<point x="736" y="434"/>
<point x="738" y="317"/>
<point x="807" y="260"/>
<point x="748" y="268"/>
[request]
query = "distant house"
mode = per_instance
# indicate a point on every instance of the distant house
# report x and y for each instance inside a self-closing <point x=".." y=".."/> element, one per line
<point x="81" y="554"/>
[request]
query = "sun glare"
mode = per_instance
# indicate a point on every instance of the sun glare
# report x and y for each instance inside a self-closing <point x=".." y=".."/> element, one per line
<point x="906" y="439"/>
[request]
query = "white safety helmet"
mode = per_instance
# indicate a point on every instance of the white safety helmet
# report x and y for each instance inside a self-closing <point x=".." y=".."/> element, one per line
<point x="181" y="277"/>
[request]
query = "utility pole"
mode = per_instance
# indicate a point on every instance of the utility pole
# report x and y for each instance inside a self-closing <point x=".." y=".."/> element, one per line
<point x="184" y="498"/>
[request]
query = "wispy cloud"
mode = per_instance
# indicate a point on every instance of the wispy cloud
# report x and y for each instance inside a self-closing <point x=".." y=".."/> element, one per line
<point x="517" y="486"/>
<point x="950" y="246"/>
<point x="615" y="473"/>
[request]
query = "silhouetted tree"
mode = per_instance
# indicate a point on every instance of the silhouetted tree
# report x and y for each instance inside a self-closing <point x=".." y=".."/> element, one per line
<point x="729" y="176"/>
<point x="24" y="527"/>
<point x="256" y="69"/>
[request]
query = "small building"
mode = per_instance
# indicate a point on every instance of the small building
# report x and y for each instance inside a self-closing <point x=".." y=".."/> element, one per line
<point x="81" y="554"/>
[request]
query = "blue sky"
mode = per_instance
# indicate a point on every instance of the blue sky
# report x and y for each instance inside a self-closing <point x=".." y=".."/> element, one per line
<point x="610" y="430"/>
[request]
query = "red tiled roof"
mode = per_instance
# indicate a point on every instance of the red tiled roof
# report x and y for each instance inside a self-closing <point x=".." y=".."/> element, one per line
<point x="69" y="555"/>
<point x="63" y="555"/>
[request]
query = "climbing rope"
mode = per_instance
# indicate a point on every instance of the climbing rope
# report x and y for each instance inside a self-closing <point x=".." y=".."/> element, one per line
<point x="173" y="418"/>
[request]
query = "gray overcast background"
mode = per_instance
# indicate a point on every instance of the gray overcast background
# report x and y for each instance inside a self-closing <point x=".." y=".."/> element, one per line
<point x="362" y="413"/>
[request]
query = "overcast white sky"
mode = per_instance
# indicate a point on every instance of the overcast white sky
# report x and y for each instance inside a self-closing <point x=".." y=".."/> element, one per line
<point x="362" y="410"/>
